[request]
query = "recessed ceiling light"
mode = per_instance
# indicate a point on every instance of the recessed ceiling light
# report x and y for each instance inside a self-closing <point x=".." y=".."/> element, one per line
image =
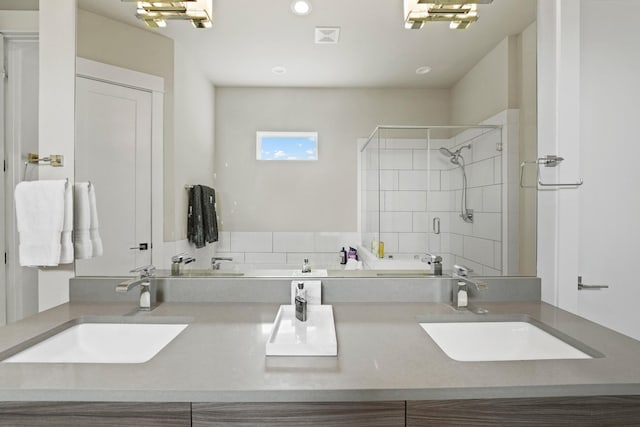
<point x="301" y="7"/>
<point x="278" y="70"/>
<point x="423" y="70"/>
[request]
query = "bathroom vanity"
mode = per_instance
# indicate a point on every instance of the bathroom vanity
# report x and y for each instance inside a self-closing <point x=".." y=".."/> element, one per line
<point x="388" y="370"/>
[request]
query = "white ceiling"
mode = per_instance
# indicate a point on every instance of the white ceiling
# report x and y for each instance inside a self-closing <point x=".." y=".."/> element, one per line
<point x="248" y="39"/>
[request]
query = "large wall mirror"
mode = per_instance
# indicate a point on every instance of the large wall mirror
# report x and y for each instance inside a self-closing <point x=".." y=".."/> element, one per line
<point x="413" y="128"/>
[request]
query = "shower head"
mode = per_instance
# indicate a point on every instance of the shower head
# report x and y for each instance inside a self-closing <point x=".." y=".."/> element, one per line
<point x="446" y="151"/>
<point x="454" y="155"/>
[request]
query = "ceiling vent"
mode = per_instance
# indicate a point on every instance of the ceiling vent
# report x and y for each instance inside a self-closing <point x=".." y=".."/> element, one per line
<point x="327" y="35"/>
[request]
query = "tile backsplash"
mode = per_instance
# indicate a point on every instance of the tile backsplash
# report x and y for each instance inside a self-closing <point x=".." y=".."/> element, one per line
<point x="262" y="250"/>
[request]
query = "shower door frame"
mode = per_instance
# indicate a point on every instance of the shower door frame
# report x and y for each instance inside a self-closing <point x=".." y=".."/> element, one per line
<point x="507" y="125"/>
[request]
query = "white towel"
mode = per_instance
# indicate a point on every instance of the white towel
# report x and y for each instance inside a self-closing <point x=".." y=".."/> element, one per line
<point x="96" y="241"/>
<point x="66" y="243"/>
<point x="82" y="221"/>
<point x="40" y="217"/>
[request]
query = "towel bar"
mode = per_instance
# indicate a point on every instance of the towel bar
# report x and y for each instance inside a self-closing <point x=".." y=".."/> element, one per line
<point x="55" y="160"/>
<point x="549" y="161"/>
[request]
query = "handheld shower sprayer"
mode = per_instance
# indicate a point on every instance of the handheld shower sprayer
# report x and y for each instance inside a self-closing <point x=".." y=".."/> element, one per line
<point x="456" y="158"/>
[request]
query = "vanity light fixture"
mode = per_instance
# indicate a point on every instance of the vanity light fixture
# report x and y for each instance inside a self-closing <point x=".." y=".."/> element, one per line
<point x="459" y="13"/>
<point x="156" y="13"/>
<point x="301" y="7"/>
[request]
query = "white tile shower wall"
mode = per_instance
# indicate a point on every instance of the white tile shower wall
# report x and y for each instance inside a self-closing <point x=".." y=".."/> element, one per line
<point x="396" y="221"/>
<point x="421" y="184"/>
<point x="413" y="242"/>
<point x="405" y="201"/>
<point x="478" y="244"/>
<point x="396" y="159"/>
<point x="420" y="222"/>
<point x="405" y="223"/>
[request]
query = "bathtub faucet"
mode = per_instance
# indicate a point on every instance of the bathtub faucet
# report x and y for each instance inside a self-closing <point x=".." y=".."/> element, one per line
<point x="215" y="261"/>
<point x="177" y="261"/>
<point x="435" y="261"/>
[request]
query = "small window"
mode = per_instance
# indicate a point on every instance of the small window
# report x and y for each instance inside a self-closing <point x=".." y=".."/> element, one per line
<point x="287" y="146"/>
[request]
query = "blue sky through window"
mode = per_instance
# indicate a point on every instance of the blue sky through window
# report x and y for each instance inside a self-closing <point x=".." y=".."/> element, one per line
<point x="288" y="147"/>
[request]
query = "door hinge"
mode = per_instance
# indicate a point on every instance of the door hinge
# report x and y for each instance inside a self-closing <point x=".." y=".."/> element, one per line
<point x="5" y="165"/>
<point x="5" y="258"/>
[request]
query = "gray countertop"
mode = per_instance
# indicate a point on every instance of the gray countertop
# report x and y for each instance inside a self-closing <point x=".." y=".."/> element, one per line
<point x="383" y="354"/>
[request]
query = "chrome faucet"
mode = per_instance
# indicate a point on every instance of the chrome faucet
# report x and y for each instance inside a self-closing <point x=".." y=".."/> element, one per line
<point x="215" y="264"/>
<point x="147" y="296"/>
<point x="177" y="261"/>
<point x="461" y="289"/>
<point x="435" y="261"/>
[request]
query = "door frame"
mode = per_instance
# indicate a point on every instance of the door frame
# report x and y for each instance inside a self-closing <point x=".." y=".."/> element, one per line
<point x="3" y="273"/>
<point x="112" y="74"/>
<point x="20" y="284"/>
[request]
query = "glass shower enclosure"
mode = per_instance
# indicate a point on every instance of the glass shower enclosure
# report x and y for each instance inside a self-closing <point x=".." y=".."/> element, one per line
<point x="432" y="189"/>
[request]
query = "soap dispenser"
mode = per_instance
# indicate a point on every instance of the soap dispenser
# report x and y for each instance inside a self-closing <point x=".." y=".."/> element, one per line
<point x="301" y="302"/>
<point x="460" y="295"/>
<point x="145" y="296"/>
<point x="306" y="267"/>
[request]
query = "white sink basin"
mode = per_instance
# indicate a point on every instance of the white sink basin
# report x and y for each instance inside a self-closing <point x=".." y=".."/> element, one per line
<point x="101" y="343"/>
<point x="276" y="272"/>
<point x="314" y="337"/>
<point x="499" y="341"/>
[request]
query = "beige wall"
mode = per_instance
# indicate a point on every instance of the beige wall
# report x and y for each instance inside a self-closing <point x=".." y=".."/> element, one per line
<point x="111" y="42"/>
<point x="19" y="4"/>
<point x="485" y="90"/>
<point x="193" y="151"/>
<point x="304" y="196"/>
<point x="527" y="43"/>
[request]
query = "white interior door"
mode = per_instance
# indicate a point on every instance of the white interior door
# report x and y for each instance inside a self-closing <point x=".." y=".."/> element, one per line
<point x="113" y="151"/>
<point x="609" y="151"/>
